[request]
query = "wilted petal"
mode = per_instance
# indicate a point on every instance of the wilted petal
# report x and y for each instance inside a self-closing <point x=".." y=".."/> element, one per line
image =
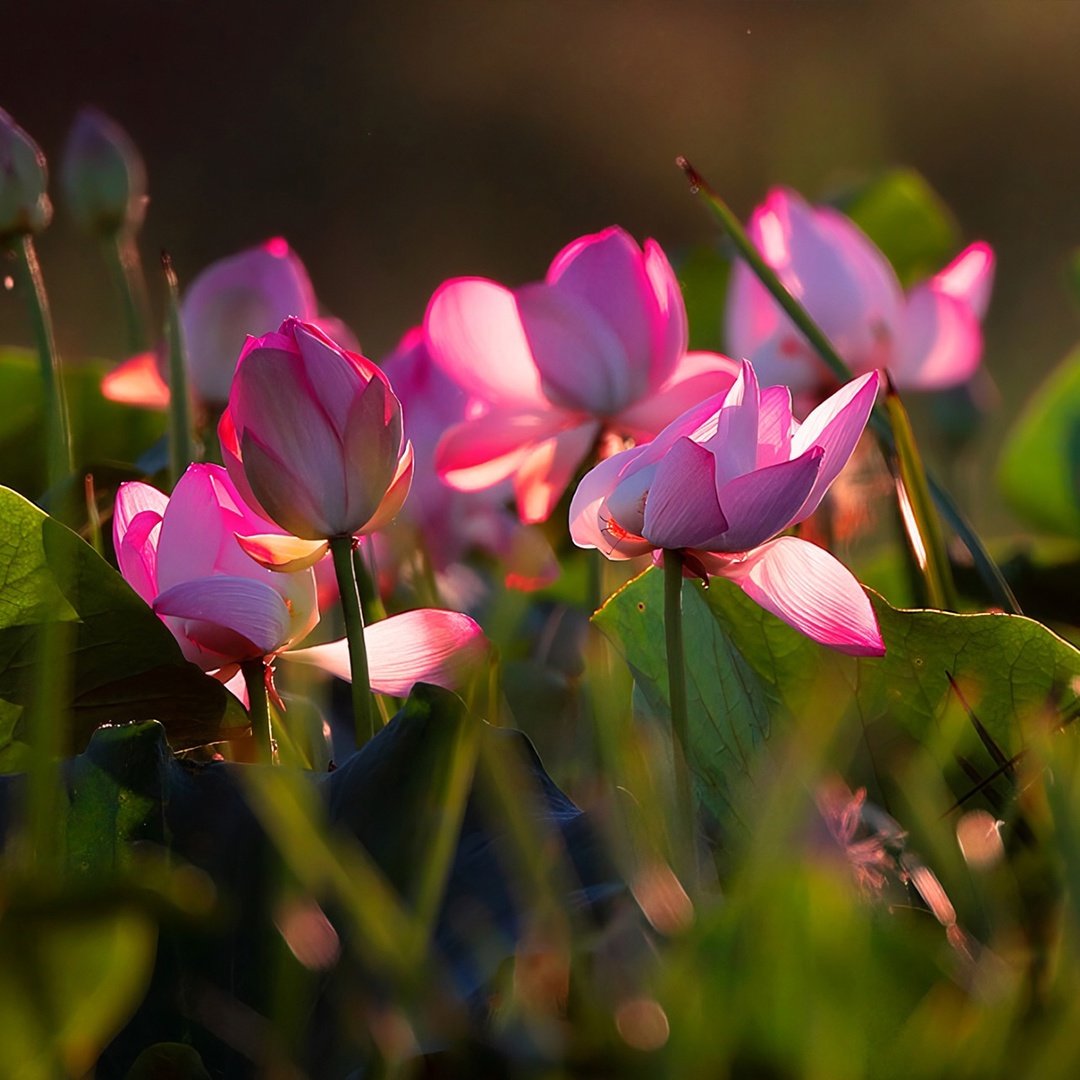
<point x="137" y="382"/>
<point x="835" y="425"/>
<point x="217" y="610"/>
<point x="765" y="502"/>
<point x="475" y="335"/>
<point x="681" y="508"/>
<point x="942" y="341"/>
<point x="440" y="647"/>
<point x="807" y="588"/>
<point x="282" y="553"/>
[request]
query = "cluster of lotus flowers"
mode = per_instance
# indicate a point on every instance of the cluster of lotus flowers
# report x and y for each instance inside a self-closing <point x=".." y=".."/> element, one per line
<point x="510" y="394"/>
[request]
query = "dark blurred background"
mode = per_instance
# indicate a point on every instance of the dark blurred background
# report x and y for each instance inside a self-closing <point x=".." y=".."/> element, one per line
<point x="397" y="144"/>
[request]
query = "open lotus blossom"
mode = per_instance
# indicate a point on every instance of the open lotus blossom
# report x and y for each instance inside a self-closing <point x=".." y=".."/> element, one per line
<point x="232" y="298"/>
<point x="452" y="522"/>
<point x="596" y="349"/>
<point x="181" y="555"/>
<point x="313" y="440"/>
<point x="928" y="338"/>
<point x="719" y="484"/>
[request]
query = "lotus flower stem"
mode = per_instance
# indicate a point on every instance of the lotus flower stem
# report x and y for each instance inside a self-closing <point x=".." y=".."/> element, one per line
<point x="58" y="432"/>
<point x="367" y="584"/>
<point x="680" y="728"/>
<point x="363" y="713"/>
<point x="991" y="575"/>
<point x="259" y="707"/>
<point x="122" y="256"/>
<point x="181" y="452"/>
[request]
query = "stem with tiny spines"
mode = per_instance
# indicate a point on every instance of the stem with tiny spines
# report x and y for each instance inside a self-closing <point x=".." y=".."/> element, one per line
<point x="254" y="672"/>
<point x="363" y="713"/>
<point x="685" y="843"/>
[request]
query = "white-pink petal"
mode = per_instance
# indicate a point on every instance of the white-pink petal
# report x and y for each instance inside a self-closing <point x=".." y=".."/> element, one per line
<point x="811" y="591"/>
<point x="941" y="344"/>
<point x="474" y="334"/>
<point x="969" y="277"/>
<point x="429" y="645"/>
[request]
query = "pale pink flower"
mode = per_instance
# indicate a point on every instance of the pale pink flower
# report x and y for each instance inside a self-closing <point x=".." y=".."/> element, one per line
<point x="598" y="348"/>
<point x="720" y="482"/>
<point x="928" y="338"/>
<point x="231" y="299"/>
<point x="182" y="556"/>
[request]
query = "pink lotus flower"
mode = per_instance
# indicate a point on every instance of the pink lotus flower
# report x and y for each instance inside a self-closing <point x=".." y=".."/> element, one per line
<point x="927" y="339"/>
<point x="598" y="348"/>
<point x="451" y="521"/>
<point x="720" y="482"/>
<point x="232" y="298"/>
<point x="312" y="436"/>
<point x="182" y="556"/>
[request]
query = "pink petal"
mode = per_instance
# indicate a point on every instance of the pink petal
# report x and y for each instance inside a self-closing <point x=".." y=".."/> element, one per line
<point x="548" y="468"/>
<point x="335" y="379"/>
<point x="133" y="498"/>
<point x="589" y="526"/>
<point x="244" y="294"/>
<point x="136" y="553"/>
<point x="583" y="363"/>
<point x="695" y="377"/>
<point x="232" y="616"/>
<point x="969" y="277"/>
<point x="681" y="509"/>
<point x="192" y="531"/>
<point x="811" y="591"/>
<point x="479" y="453"/>
<point x="298" y="504"/>
<point x="137" y="382"/>
<point x="734" y="441"/>
<point x="835" y="425"/>
<point x="837" y="273"/>
<point x="439" y="647"/>
<point x="765" y="502"/>
<point x="775" y="426"/>
<point x="396" y="493"/>
<point x="606" y="272"/>
<point x="942" y="343"/>
<point x="670" y="332"/>
<point x="474" y="334"/>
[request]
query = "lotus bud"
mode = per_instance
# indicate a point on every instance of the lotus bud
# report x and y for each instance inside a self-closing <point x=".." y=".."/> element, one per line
<point x="103" y="175"/>
<point x="24" y="204"/>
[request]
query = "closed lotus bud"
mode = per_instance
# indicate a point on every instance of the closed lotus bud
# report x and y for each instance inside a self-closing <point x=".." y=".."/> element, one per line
<point x="103" y="175"/>
<point x="24" y="205"/>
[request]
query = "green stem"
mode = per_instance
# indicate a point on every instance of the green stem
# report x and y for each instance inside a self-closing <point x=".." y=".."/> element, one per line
<point x="680" y="728"/>
<point x="259" y="707"/>
<point x="122" y="257"/>
<point x="58" y="432"/>
<point x="363" y="714"/>
<point x="181" y="452"/>
<point x="366" y="583"/>
<point x="991" y="575"/>
<point x="916" y="509"/>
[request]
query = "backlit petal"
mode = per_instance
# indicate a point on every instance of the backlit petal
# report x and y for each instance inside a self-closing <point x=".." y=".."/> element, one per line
<point x="811" y="591"/>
